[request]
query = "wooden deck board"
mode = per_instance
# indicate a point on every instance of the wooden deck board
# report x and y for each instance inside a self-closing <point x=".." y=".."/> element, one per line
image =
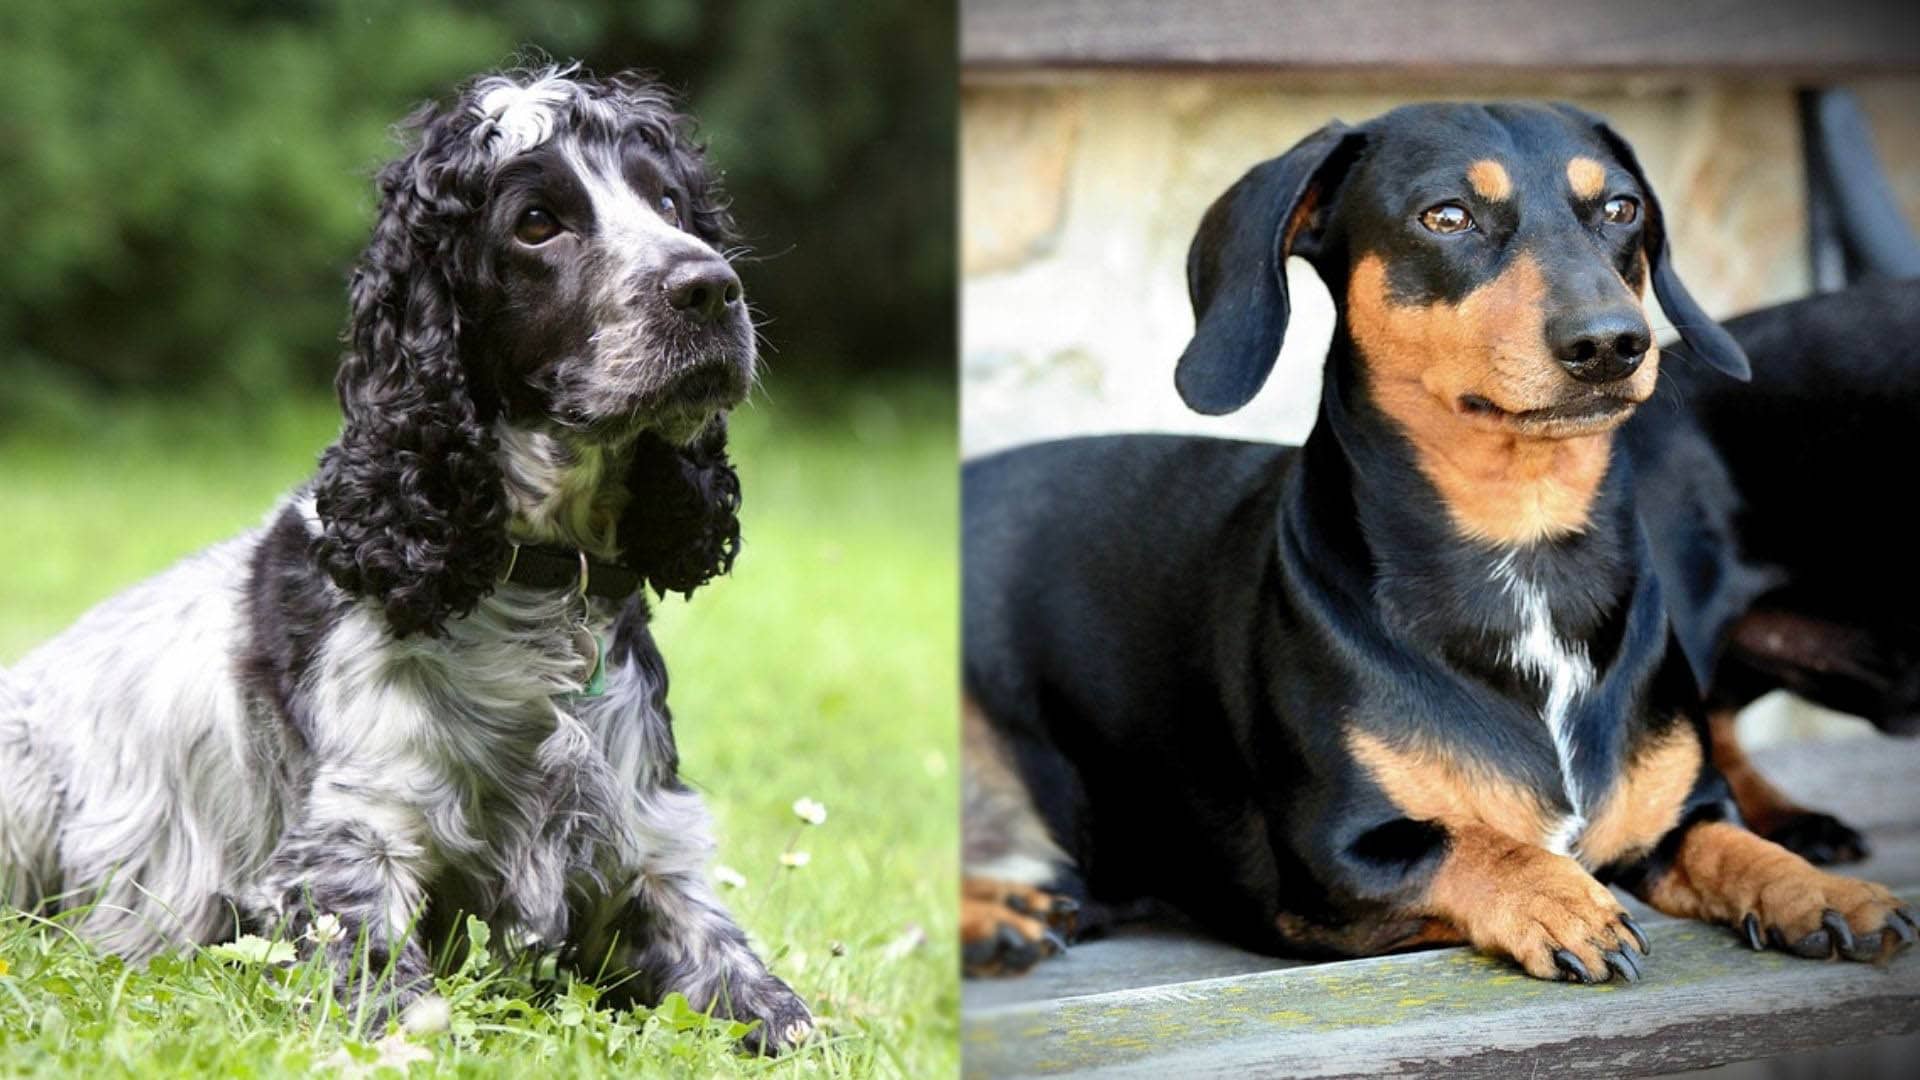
<point x="1163" y="1001"/>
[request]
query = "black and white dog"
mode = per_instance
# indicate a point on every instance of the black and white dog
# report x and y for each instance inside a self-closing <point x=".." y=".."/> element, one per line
<point x="426" y="686"/>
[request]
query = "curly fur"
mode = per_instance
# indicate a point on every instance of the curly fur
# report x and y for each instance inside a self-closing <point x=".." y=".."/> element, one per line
<point x="411" y="494"/>
<point x="682" y="527"/>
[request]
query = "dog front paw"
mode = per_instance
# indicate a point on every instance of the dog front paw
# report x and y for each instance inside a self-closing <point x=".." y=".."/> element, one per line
<point x="1006" y="928"/>
<point x="781" y="1021"/>
<point x="1819" y="915"/>
<point x="1559" y="923"/>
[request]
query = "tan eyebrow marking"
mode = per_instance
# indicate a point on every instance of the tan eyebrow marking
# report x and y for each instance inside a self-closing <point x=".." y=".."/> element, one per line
<point x="1490" y="180"/>
<point x="1587" y="176"/>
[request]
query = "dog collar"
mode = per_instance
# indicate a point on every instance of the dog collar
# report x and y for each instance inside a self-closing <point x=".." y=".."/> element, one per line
<point x="543" y="567"/>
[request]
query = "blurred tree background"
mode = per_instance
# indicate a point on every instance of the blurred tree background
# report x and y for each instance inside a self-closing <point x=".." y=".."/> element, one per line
<point x="184" y="184"/>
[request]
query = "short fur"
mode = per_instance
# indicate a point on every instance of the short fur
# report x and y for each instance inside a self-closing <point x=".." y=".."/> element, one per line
<point x="1338" y="699"/>
<point x="348" y="712"/>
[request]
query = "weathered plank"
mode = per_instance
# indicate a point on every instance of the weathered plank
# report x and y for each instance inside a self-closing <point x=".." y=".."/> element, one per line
<point x="1772" y="38"/>
<point x="1707" y="1000"/>
<point x="1160" y="1000"/>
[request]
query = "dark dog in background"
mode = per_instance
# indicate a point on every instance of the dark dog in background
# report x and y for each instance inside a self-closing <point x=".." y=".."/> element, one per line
<point x="1767" y="508"/>
<point x="1414" y="681"/>
<point x="426" y="686"/>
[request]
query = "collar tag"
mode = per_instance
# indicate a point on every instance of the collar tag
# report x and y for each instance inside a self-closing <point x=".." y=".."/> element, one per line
<point x="590" y="645"/>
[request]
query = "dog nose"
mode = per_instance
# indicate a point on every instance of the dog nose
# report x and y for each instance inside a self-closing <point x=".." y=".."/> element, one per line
<point x="1600" y="347"/>
<point x="703" y="288"/>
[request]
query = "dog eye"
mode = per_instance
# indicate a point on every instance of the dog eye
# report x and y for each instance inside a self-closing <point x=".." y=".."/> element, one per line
<point x="1621" y="210"/>
<point x="669" y="209"/>
<point x="535" y="227"/>
<point x="1446" y="218"/>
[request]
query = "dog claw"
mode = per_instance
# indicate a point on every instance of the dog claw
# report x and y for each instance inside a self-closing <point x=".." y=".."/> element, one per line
<point x="1623" y="964"/>
<point x="1910" y="917"/>
<point x="1065" y="905"/>
<point x="1571" y="965"/>
<point x="1639" y="937"/>
<point x="1751" y="925"/>
<point x="1054" y="942"/>
<point x="1899" y="934"/>
<point x="1018" y="952"/>
<point x="1837" y="928"/>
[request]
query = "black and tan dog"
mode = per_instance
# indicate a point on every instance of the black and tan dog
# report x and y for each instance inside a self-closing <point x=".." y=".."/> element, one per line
<point x="1414" y="681"/>
<point x="1766" y="508"/>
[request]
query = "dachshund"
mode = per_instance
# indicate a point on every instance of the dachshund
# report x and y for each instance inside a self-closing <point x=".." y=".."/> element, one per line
<point x="1413" y="682"/>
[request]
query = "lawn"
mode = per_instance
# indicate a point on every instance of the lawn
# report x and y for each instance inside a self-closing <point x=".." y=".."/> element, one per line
<point x="823" y="668"/>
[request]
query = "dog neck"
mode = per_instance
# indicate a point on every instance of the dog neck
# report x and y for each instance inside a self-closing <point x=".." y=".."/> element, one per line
<point x="1498" y="486"/>
<point x="563" y="493"/>
<point x="1430" y="579"/>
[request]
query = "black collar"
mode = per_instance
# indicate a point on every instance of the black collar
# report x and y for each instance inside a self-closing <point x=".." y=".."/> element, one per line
<point x="543" y="567"/>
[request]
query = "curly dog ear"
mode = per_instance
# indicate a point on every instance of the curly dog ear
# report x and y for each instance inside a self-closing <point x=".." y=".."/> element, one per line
<point x="681" y="526"/>
<point x="411" y="498"/>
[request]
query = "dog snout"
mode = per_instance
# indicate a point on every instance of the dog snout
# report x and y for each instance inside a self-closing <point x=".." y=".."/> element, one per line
<point x="701" y="287"/>
<point x="1600" y="346"/>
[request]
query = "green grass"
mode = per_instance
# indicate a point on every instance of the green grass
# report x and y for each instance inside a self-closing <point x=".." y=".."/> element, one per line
<point x="823" y="667"/>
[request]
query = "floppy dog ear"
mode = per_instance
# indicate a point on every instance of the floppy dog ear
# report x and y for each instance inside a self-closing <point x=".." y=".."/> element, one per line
<point x="681" y="525"/>
<point x="1237" y="271"/>
<point x="1706" y="337"/>
<point x="410" y="498"/>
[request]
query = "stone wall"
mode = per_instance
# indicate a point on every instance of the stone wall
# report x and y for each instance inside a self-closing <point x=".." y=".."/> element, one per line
<point x="1080" y="192"/>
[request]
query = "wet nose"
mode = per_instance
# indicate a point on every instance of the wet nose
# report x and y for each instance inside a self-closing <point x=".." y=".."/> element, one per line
<point x="1600" y="347"/>
<point x="703" y="288"/>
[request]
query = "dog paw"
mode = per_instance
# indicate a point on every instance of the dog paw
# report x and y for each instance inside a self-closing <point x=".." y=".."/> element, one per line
<point x="1820" y="838"/>
<point x="1566" y="927"/>
<point x="781" y="1021"/>
<point x="1006" y="928"/>
<point x="1819" y="915"/>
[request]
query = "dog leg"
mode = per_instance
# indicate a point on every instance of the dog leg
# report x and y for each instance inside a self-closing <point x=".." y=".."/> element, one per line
<point x="1514" y="899"/>
<point x="1815" y="836"/>
<point x="668" y="932"/>
<point x="1723" y="873"/>
<point x="29" y="810"/>
<point x="349" y="885"/>
<point x="1008" y="920"/>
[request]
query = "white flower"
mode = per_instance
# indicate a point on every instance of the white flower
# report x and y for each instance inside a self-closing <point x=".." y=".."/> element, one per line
<point x="326" y="928"/>
<point x="394" y="1052"/>
<point x="728" y="876"/>
<point x="809" y="811"/>
<point x="428" y="1015"/>
<point x="794" y="860"/>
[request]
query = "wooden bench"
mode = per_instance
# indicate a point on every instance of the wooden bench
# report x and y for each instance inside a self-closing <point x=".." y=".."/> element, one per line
<point x="1161" y="1002"/>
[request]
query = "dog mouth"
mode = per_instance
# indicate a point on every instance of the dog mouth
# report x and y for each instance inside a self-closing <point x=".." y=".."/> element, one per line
<point x="675" y="403"/>
<point x="710" y="384"/>
<point x="1595" y="412"/>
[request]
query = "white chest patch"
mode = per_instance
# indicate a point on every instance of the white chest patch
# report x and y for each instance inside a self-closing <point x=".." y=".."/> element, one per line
<point x="1566" y="672"/>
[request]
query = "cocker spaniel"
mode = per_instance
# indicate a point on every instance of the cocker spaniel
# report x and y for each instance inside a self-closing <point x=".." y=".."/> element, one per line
<point x="426" y="686"/>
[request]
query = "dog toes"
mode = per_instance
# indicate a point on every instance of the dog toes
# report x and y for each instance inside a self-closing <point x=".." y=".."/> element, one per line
<point x="1821" y="839"/>
<point x="1815" y="946"/>
<point x="1843" y="917"/>
<point x="1005" y="929"/>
